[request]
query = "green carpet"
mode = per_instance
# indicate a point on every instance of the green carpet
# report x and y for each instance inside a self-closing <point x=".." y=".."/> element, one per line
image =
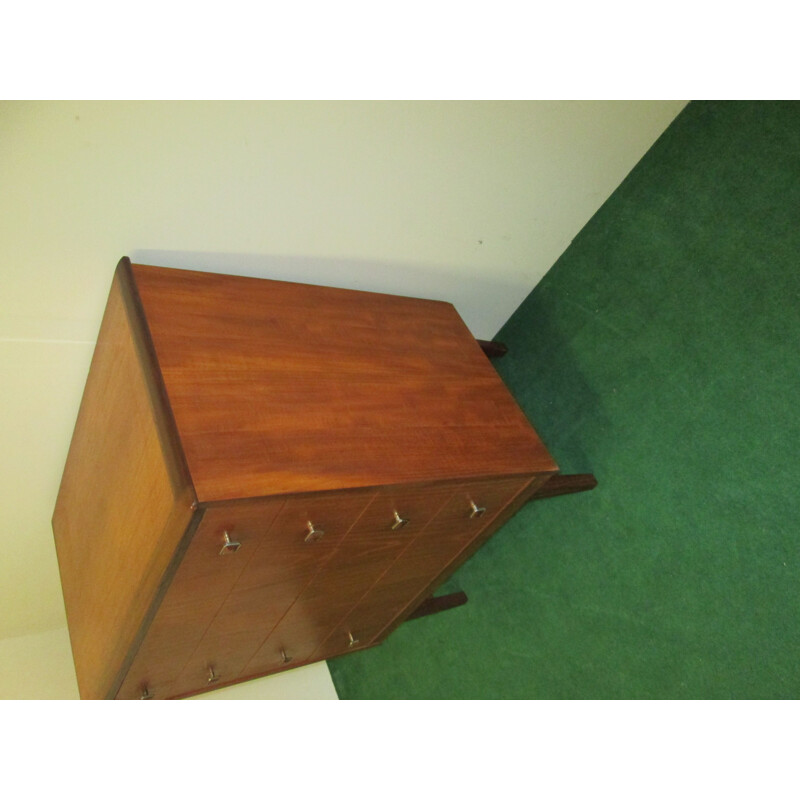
<point x="661" y="354"/>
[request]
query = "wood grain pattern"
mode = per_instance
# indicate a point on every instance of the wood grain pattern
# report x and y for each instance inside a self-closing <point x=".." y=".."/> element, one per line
<point x="259" y="410"/>
<point x="245" y="620"/>
<point x="410" y="579"/>
<point x="121" y="509"/>
<point x="281" y="388"/>
<point x="198" y="591"/>
<point x="440" y="574"/>
<point x="285" y="555"/>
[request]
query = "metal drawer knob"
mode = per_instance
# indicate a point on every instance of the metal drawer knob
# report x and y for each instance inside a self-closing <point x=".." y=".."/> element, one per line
<point x="212" y="676"/>
<point x="477" y="511"/>
<point x="398" y="522"/>
<point x="284" y="658"/>
<point x="230" y="546"/>
<point x="314" y="534"/>
<point x="146" y="693"/>
<point x="351" y="641"/>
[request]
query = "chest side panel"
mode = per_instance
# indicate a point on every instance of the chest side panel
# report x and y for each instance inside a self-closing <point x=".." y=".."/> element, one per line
<point x="123" y="504"/>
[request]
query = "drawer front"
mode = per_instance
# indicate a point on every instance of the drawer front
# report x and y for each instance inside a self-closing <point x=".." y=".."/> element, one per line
<point x="204" y="578"/>
<point x="302" y="538"/>
<point x="472" y="506"/>
<point x="359" y="629"/>
<point x="459" y="522"/>
<point x="470" y="509"/>
<point x="305" y="534"/>
<point x="246" y="619"/>
<point x="391" y="522"/>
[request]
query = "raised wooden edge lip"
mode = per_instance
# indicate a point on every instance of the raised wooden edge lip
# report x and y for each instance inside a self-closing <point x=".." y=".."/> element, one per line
<point x="174" y="457"/>
<point x="180" y="475"/>
<point x="292" y="283"/>
<point x="166" y="580"/>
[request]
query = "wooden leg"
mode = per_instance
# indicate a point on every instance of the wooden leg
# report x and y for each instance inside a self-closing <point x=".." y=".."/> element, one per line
<point x="493" y="349"/>
<point x="433" y="605"/>
<point x="565" y="484"/>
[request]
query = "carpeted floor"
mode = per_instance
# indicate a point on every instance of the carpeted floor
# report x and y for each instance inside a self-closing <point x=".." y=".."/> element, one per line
<point x="661" y="354"/>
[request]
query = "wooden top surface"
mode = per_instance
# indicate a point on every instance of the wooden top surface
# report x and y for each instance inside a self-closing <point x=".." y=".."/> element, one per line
<point x="281" y="387"/>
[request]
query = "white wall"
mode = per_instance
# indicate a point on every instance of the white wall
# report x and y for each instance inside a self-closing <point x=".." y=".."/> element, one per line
<point x="467" y="202"/>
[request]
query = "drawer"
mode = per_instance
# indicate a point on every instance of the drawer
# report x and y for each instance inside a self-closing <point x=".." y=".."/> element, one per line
<point x="177" y="628"/>
<point x="212" y="563"/>
<point x="389" y="524"/>
<point x="304" y="535"/>
<point x="359" y="629"/>
<point x="455" y="526"/>
<point x="402" y="509"/>
<point x="373" y="543"/>
<point x="473" y="505"/>
<point x="298" y="635"/>
<point x="204" y="578"/>
<point x="246" y="619"/>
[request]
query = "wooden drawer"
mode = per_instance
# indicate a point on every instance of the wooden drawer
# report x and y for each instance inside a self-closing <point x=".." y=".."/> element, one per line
<point x="393" y="519"/>
<point x="246" y="619"/>
<point x="293" y="551"/>
<point x="458" y="522"/>
<point x="472" y="506"/>
<point x="177" y="628"/>
<point x="359" y="630"/>
<point x="452" y="530"/>
<point x="402" y="509"/>
<point x="212" y="567"/>
<point x="203" y="580"/>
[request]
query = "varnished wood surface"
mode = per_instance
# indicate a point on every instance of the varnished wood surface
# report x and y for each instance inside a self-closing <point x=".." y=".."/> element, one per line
<point x="493" y="349"/>
<point x="434" y="605"/>
<point x="282" y="388"/>
<point x="121" y="509"/>
<point x="439" y="575"/>
<point x="432" y="556"/>
<point x="558" y="485"/>
<point x="197" y="593"/>
<point x="230" y="406"/>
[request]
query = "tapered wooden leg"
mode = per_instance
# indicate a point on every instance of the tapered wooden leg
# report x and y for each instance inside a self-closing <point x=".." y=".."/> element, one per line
<point x="493" y="349"/>
<point x="565" y="484"/>
<point x="433" y="605"/>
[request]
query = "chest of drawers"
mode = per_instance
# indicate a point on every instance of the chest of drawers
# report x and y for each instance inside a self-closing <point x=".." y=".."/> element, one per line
<point x="265" y="474"/>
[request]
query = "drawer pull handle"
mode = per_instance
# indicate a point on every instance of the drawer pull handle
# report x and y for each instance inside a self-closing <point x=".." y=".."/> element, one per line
<point x="146" y="693"/>
<point x="284" y="658"/>
<point x="351" y="641"/>
<point x="314" y="534"/>
<point x="229" y="546"/>
<point x="212" y="676"/>
<point x="398" y="522"/>
<point x="477" y="511"/>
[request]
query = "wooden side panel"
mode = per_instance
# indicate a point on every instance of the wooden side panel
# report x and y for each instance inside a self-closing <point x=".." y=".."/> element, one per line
<point x="124" y="503"/>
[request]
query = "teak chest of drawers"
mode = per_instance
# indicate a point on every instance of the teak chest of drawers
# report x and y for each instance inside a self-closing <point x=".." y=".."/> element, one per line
<point x="265" y="474"/>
